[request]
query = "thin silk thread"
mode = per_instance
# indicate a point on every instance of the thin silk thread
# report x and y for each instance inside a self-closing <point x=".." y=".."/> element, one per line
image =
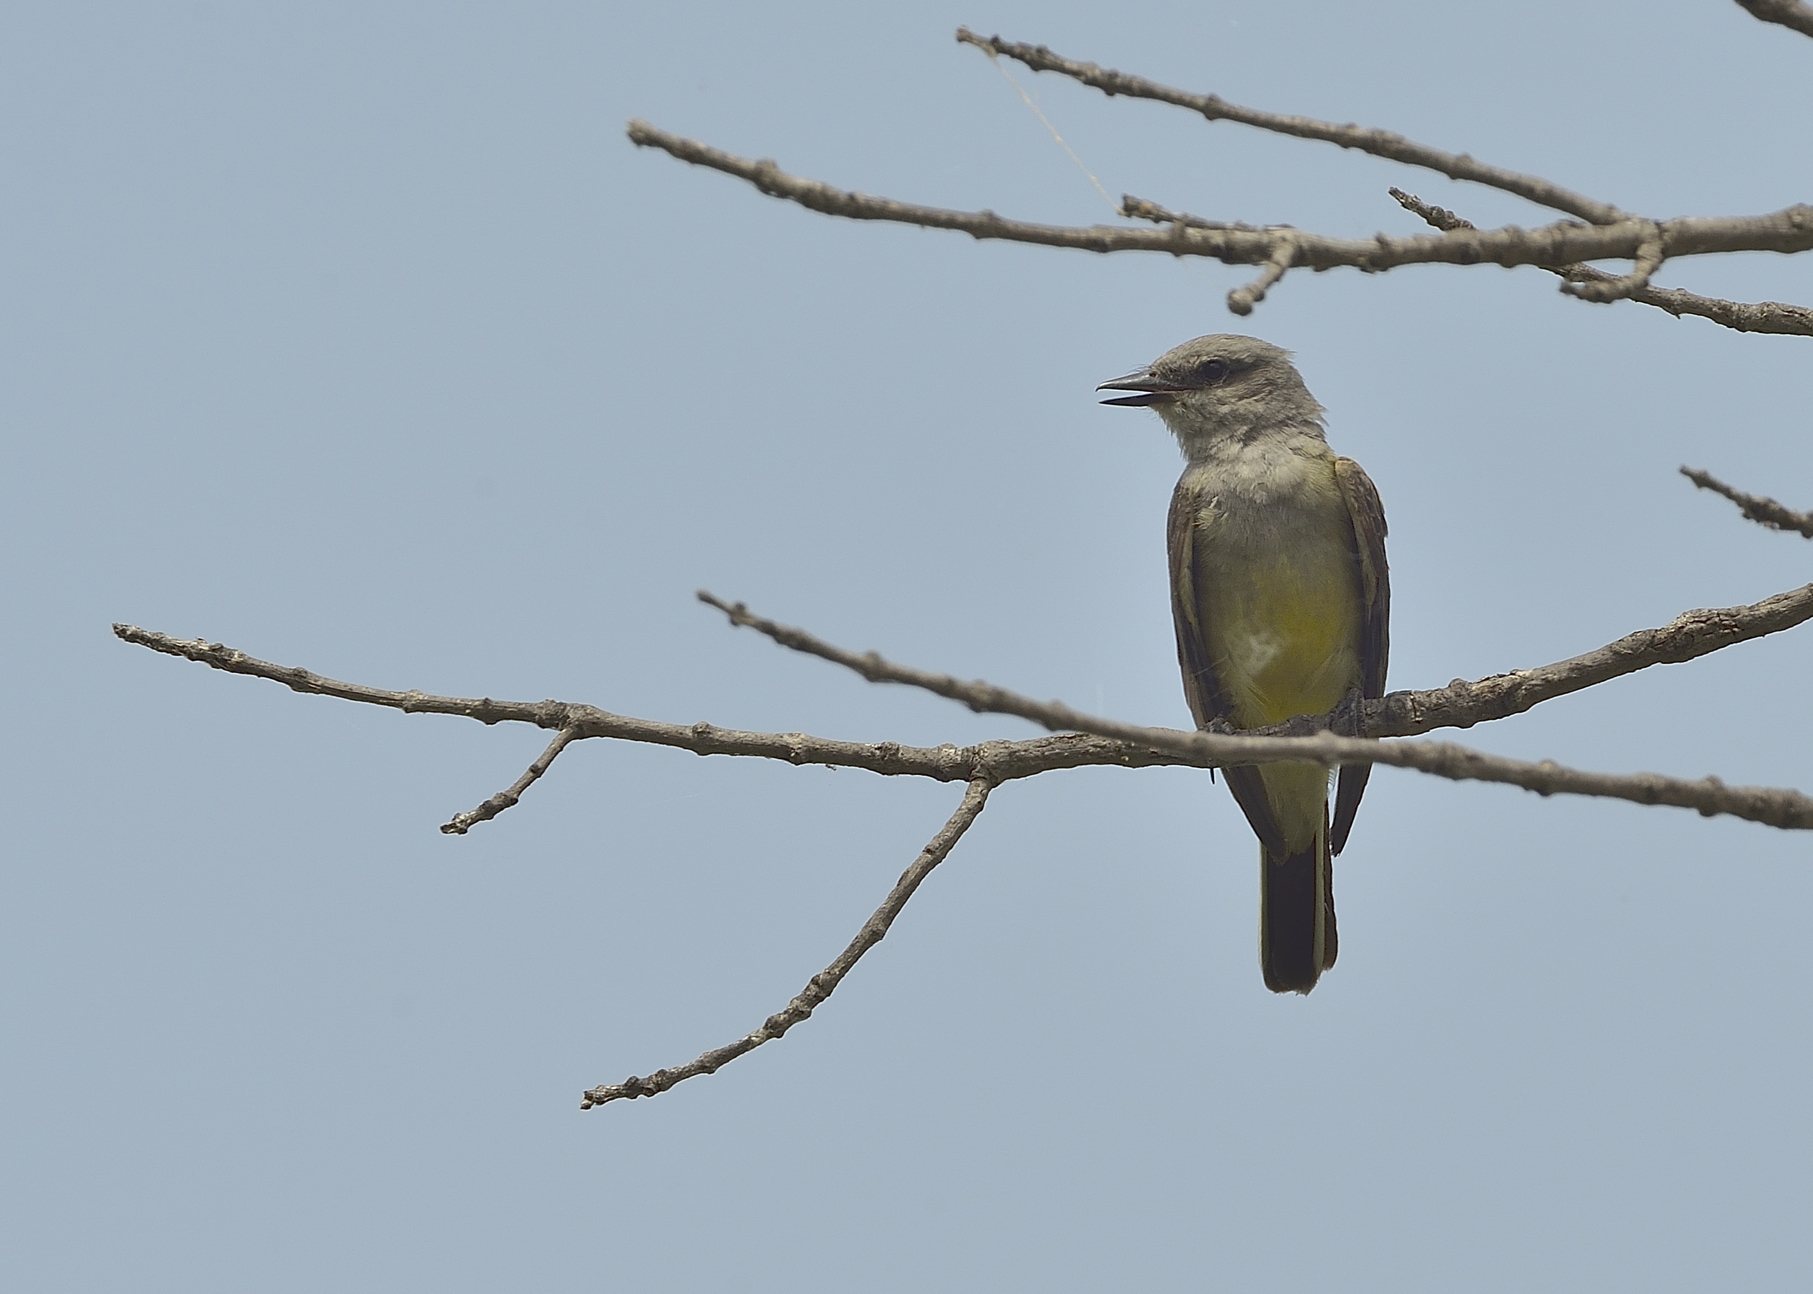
<point x="1027" y="99"/>
<point x="1070" y="152"/>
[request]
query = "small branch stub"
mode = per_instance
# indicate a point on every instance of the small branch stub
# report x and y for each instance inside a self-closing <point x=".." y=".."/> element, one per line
<point x="1242" y="299"/>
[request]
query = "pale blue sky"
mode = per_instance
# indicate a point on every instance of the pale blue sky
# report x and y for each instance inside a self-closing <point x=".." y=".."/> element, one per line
<point x="358" y="337"/>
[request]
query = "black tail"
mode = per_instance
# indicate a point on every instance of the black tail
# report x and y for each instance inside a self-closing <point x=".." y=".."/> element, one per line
<point x="1296" y="917"/>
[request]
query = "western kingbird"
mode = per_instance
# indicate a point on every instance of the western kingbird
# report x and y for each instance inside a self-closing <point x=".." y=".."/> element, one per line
<point x="1282" y="604"/>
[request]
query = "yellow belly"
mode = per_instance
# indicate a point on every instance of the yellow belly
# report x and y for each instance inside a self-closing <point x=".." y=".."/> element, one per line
<point x="1283" y="633"/>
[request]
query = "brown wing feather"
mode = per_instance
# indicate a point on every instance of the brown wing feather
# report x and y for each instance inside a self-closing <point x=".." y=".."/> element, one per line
<point x="1368" y="517"/>
<point x="1201" y="688"/>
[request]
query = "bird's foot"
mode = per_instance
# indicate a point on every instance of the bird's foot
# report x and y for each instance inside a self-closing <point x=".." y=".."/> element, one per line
<point x="1347" y="718"/>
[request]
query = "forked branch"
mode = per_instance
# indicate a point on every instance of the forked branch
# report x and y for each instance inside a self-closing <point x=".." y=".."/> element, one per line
<point x="1562" y="247"/>
<point x="1773" y="806"/>
<point x="1565" y="242"/>
<point x="1102" y="742"/>
<point x="1460" y="704"/>
<point x="1739" y="316"/>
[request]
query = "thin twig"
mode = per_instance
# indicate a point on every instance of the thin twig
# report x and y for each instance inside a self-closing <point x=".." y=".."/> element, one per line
<point x="1380" y="143"/>
<point x="1789" y="230"/>
<point x="1789" y="13"/>
<point x="461" y="823"/>
<point x="1763" y="511"/>
<point x="1440" y="217"/>
<point x="1776" y="807"/>
<point x="823" y="984"/>
<point x="1135" y="208"/>
<point x="1761" y="317"/>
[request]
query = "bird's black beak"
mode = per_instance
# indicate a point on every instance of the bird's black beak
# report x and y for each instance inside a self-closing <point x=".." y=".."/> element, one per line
<point x="1152" y="390"/>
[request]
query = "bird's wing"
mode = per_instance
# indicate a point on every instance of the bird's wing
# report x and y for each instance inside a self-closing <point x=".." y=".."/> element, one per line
<point x="1368" y="517"/>
<point x="1201" y="688"/>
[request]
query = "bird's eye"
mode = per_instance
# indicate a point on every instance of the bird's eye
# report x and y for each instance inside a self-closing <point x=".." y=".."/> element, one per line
<point x="1211" y="372"/>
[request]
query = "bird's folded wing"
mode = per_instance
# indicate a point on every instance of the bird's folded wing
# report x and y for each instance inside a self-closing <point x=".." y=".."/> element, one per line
<point x="1201" y="688"/>
<point x="1368" y="517"/>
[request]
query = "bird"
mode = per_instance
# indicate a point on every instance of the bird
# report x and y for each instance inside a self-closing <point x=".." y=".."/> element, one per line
<point x="1281" y="602"/>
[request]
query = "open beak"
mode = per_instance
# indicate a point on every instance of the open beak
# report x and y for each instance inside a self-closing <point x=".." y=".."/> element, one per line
<point x="1152" y="390"/>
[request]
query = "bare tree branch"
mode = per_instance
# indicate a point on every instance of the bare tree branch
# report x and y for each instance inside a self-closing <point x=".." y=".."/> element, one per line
<point x="1461" y="704"/>
<point x="999" y="761"/>
<point x="1755" y="507"/>
<point x="1690" y="635"/>
<point x="1562" y="247"/>
<point x="1763" y="316"/>
<point x="1778" y="317"/>
<point x="1789" y="13"/>
<point x="1776" y="807"/>
<point x="1380" y="143"/>
<point x="1789" y="230"/>
<point x="823" y="984"/>
<point x="461" y="823"/>
<point x="1583" y="281"/>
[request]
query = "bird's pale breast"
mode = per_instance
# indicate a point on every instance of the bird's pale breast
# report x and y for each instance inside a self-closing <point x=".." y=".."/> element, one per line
<point x="1279" y="595"/>
<point x="1278" y="600"/>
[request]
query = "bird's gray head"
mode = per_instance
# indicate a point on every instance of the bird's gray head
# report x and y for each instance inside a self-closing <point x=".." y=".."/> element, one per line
<point x="1218" y="392"/>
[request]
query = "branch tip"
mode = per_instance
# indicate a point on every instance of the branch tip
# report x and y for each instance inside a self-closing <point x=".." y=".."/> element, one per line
<point x="1242" y="299"/>
<point x="1440" y="217"/>
<point x="461" y="823"/>
<point x="1755" y="507"/>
